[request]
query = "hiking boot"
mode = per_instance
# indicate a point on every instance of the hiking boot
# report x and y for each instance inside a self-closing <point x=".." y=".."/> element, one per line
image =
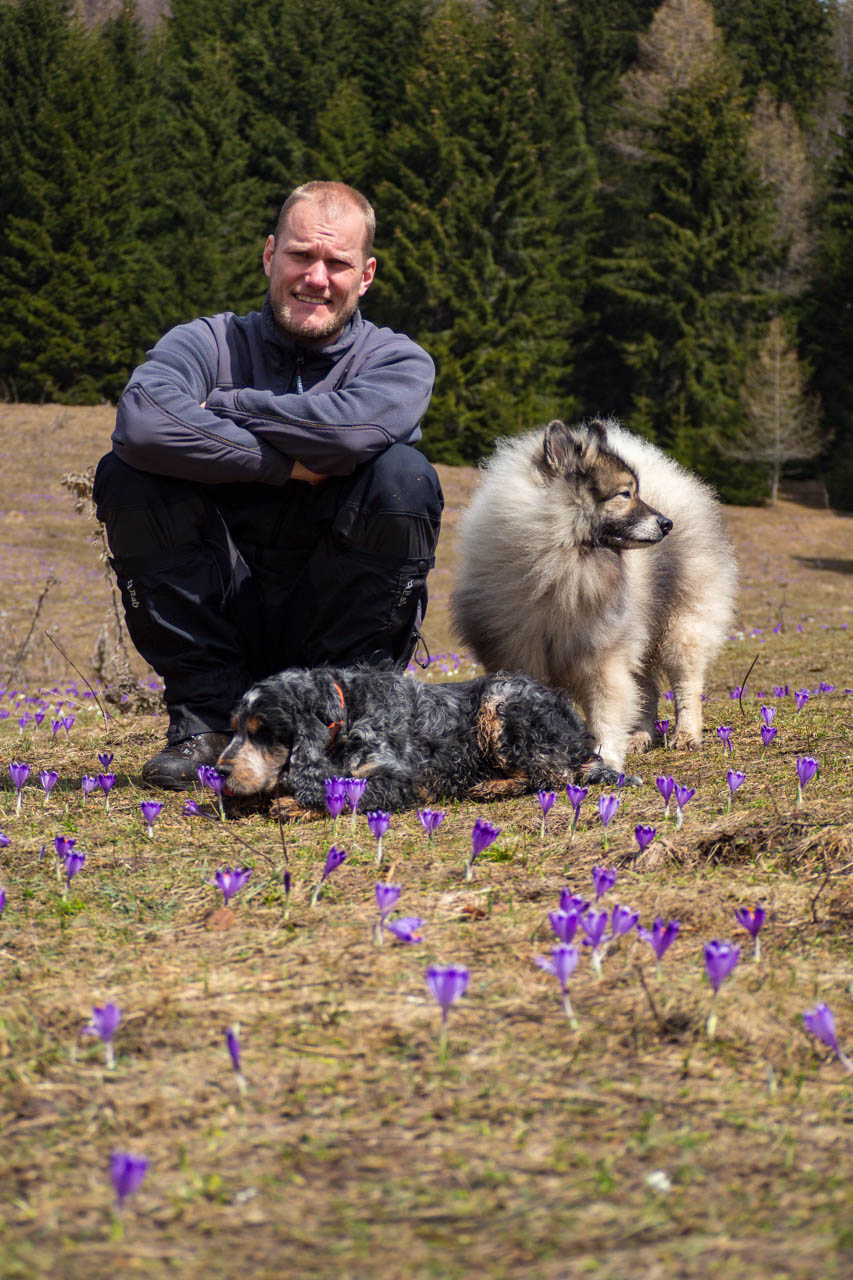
<point x="176" y="767"/>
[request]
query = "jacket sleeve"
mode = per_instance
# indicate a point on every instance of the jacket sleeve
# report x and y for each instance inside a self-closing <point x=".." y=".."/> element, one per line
<point x="331" y="432"/>
<point x="161" y="426"/>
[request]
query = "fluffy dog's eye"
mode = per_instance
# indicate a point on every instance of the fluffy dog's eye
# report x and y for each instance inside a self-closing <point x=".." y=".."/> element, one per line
<point x="624" y="493"/>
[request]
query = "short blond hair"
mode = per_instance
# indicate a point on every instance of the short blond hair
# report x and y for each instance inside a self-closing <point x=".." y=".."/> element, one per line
<point x="333" y="197"/>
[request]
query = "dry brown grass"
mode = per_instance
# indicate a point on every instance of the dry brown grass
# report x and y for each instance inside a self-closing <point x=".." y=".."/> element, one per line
<point x="355" y="1149"/>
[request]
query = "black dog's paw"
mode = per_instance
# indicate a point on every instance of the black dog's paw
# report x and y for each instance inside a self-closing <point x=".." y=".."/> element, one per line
<point x="601" y="774"/>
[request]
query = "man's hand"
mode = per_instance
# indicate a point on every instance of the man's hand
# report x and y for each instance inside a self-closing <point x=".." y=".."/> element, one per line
<point x="302" y="473"/>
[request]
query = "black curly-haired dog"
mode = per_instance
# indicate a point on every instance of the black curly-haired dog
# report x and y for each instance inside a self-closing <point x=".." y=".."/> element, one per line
<point x="498" y="735"/>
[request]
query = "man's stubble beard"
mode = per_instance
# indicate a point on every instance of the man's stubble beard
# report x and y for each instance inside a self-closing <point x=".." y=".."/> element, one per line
<point x="332" y="327"/>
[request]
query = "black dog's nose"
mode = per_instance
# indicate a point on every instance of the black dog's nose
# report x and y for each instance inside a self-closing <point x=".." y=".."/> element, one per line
<point x="664" y="524"/>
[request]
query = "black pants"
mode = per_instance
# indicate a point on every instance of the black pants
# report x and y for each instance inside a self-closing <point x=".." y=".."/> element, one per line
<point x="224" y="584"/>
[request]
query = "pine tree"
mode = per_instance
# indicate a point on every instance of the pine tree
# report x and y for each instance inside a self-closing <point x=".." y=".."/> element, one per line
<point x="684" y="281"/>
<point x="783" y="417"/>
<point x="785" y="45"/>
<point x="473" y="267"/>
<point x="77" y="278"/>
<point x="828" y="316"/>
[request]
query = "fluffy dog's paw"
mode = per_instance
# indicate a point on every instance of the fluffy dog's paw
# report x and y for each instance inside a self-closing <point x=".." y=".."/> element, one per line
<point x="640" y="741"/>
<point x="685" y="740"/>
<point x="288" y="809"/>
<point x="601" y="774"/>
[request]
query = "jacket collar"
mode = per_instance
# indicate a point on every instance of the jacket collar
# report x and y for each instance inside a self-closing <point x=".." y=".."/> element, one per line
<point x="326" y="354"/>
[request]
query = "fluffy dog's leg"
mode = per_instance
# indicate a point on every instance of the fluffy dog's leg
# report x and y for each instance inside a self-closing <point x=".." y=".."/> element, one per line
<point x="611" y="705"/>
<point x="642" y="733"/>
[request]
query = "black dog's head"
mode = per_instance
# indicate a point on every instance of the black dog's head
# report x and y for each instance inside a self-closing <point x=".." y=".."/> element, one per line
<point x="286" y="716"/>
<point x="605" y="484"/>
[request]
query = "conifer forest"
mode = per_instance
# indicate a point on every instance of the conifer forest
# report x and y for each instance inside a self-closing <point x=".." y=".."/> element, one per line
<point x="584" y="207"/>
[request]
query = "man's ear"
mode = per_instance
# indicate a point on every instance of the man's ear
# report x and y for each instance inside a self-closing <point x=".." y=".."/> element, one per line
<point x="367" y="276"/>
<point x="266" y="256"/>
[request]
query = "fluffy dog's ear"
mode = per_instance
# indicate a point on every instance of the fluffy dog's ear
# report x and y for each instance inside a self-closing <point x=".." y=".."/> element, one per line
<point x="568" y="450"/>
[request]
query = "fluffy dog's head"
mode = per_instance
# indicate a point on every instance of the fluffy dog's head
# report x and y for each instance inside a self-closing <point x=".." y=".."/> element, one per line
<point x="291" y="714"/>
<point x="603" y="484"/>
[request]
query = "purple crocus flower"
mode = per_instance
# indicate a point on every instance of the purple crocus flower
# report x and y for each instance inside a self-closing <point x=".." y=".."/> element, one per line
<point x="232" y="1041"/>
<point x="807" y="767"/>
<point x="573" y="902"/>
<point x="565" y="924"/>
<point x="231" y="880"/>
<point x="603" y="879"/>
<point x="724" y="733"/>
<point x="105" y="759"/>
<point x="151" y="810"/>
<point x="607" y="806"/>
<point x="55" y="726"/>
<point x="665" y="786"/>
<point x="336" y="796"/>
<point x="106" y="781"/>
<point x="661" y="937"/>
<point x="334" y="858"/>
<point x="105" y="1022"/>
<point x="483" y="834"/>
<point x="48" y="779"/>
<point x="768" y="714"/>
<point x="801" y="697"/>
<point x="576" y="797"/>
<point x="780" y="690"/>
<point x="354" y="789"/>
<point x="88" y="785"/>
<point x="720" y="960"/>
<point x="378" y="821"/>
<point x="768" y="733"/>
<point x="430" y="820"/>
<point x="68" y="724"/>
<point x="752" y="920"/>
<point x="210" y="777"/>
<point x="562" y="964"/>
<point x="387" y="896"/>
<point x="18" y="772"/>
<point x="128" y="1173"/>
<point x="406" y="929"/>
<point x="644" y="837"/>
<point x="63" y="845"/>
<point x="191" y="809"/>
<point x="735" y="779"/>
<point x="546" y="803"/>
<point x="73" y="863"/>
<point x="2" y="901"/>
<point x="594" y="925"/>
<point x="622" y="920"/>
<point x="446" y="984"/>
<point x="821" y="1023"/>
<point x="683" y="796"/>
<point x="4" y="840"/>
<point x="662" y="727"/>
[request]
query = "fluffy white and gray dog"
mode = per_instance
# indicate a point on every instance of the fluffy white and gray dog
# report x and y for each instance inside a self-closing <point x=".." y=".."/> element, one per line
<point x="414" y="742"/>
<point x="595" y="563"/>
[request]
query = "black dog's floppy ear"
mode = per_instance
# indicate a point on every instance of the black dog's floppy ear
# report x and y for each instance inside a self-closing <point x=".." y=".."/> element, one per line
<point x="568" y="450"/>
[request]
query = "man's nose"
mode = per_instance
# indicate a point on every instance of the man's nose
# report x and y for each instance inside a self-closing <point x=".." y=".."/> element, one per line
<point x="317" y="275"/>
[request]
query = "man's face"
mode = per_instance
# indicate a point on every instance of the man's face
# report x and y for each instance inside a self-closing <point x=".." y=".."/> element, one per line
<point x="317" y="270"/>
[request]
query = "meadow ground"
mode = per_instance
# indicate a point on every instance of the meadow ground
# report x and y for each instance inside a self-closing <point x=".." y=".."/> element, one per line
<point x="635" y="1144"/>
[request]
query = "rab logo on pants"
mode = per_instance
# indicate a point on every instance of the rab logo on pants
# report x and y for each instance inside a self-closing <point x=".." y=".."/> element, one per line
<point x="134" y="603"/>
<point x="407" y="591"/>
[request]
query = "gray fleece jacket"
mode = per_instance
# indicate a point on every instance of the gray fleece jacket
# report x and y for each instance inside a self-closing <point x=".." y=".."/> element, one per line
<point x="229" y="398"/>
